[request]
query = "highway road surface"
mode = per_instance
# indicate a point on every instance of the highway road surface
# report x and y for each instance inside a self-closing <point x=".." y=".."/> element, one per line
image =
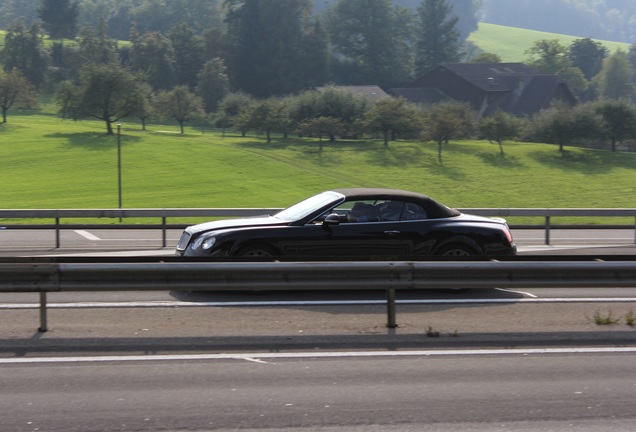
<point x="483" y="360"/>
<point x="475" y="390"/>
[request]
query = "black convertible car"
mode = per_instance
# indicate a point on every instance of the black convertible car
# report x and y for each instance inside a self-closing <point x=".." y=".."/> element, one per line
<point x="365" y="223"/>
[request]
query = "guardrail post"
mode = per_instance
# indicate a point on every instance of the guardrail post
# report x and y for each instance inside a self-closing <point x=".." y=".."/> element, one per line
<point x="43" y="318"/>
<point x="57" y="232"/>
<point x="390" y="303"/>
<point x="163" y="232"/>
<point x="547" y="230"/>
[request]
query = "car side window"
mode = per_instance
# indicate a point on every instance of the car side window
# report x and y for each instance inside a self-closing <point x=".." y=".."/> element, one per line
<point x="390" y="210"/>
<point x="378" y="211"/>
<point x="357" y="211"/>
<point x="414" y="211"/>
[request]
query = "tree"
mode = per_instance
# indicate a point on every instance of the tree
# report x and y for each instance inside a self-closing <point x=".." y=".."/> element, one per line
<point x="270" y="115"/>
<point x="619" y="120"/>
<point x="146" y="108"/>
<point x="631" y="57"/>
<point x="315" y="56"/>
<point x="232" y="106"/>
<point x="12" y="10"/>
<point x="553" y="125"/>
<point x="213" y="84"/>
<point x="550" y="57"/>
<point x="329" y="102"/>
<point x="467" y="12"/>
<point x="500" y="127"/>
<point x="153" y="55"/>
<point x="59" y="18"/>
<point x="162" y="15"/>
<point x="615" y="79"/>
<point x="391" y="117"/>
<point x="563" y="125"/>
<point x="179" y="104"/>
<point x="438" y="39"/>
<point x="322" y="126"/>
<point x="448" y="120"/>
<point x="265" y="45"/>
<point x="95" y="46"/>
<point x="188" y="58"/>
<point x="371" y="42"/>
<point x="106" y="92"/>
<point x="24" y="50"/>
<point x="485" y="57"/>
<point x="588" y="56"/>
<point x="15" y="90"/>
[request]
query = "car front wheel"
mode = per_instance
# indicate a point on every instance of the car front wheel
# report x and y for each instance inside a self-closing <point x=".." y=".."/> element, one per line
<point x="257" y="251"/>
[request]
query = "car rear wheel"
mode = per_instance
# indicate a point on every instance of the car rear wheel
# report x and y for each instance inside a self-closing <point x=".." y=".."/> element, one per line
<point x="257" y="251"/>
<point x="458" y="250"/>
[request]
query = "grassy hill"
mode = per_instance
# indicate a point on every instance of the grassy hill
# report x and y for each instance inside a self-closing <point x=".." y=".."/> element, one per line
<point x="47" y="162"/>
<point x="52" y="163"/>
<point x="511" y="43"/>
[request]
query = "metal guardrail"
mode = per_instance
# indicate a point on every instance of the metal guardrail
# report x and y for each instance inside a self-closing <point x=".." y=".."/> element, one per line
<point x="165" y="213"/>
<point x="161" y="213"/>
<point x="48" y="277"/>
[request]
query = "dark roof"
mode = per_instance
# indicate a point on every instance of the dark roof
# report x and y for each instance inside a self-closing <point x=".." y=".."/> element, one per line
<point x="512" y="87"/>
<point x="433" y="208"/>
<point x="490" y="76"/>
<point x="532" y="94"/>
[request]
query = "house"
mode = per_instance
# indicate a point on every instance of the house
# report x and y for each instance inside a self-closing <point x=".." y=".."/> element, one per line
<point x="511" y="87"/>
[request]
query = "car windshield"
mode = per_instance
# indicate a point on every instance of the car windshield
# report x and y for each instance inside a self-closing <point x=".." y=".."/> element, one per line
<point x="308" y="206"/>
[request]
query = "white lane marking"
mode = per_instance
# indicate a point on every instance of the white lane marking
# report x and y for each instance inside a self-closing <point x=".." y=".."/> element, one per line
<point x="309" y="355"/>
<point x="526" y="294"/>
<point x="133" y="253"/>
<point x="255" y="360"/>
<point x="178" y="304"/>
<point x="87" y="235"/>
<point x="539" y="248"/>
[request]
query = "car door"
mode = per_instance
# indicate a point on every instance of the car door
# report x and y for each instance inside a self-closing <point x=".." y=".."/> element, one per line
<point x="342" y="233"/>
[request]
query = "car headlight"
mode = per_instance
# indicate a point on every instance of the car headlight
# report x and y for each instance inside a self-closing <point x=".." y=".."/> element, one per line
<point x="204" y="242"/>
<point x="208" y="243"/>
<point x="197" y="243"/>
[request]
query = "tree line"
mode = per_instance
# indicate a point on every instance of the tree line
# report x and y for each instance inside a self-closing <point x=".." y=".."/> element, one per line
<point x="255" y="72"/>
<point x="266" y="48"/>
<point x="331" y="113"/>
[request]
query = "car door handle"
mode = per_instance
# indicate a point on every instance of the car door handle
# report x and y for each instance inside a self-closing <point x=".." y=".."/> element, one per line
<point x="395" y="232"/>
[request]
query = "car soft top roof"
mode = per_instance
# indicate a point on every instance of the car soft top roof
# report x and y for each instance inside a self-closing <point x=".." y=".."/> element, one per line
<point x="434" y="208"/>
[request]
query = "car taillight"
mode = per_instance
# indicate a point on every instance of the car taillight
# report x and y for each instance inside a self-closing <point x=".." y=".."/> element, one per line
<point x="508" y="234"/>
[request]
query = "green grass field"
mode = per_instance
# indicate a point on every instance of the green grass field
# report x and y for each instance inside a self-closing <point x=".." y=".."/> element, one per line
<point x="511" y="43"/>
<point x="47" y="162"/>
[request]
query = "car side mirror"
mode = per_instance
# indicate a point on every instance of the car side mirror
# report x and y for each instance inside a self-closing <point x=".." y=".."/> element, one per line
<point x="332" y="219"/>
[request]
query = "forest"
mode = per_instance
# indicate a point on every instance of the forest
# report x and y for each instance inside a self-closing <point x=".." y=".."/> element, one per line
<point x="260" y="65"/>
<point x="598" y="19"/>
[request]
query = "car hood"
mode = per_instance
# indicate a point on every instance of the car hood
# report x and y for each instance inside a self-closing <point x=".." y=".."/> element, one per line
<point x="235" y="223"/>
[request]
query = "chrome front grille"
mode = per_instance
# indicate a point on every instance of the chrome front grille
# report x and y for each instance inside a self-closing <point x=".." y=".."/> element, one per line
<point x="183" y="241"/>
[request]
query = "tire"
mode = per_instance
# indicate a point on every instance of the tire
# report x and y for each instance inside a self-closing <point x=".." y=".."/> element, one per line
<point x="257" y="251"/>
<point x="457" y="250"/>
